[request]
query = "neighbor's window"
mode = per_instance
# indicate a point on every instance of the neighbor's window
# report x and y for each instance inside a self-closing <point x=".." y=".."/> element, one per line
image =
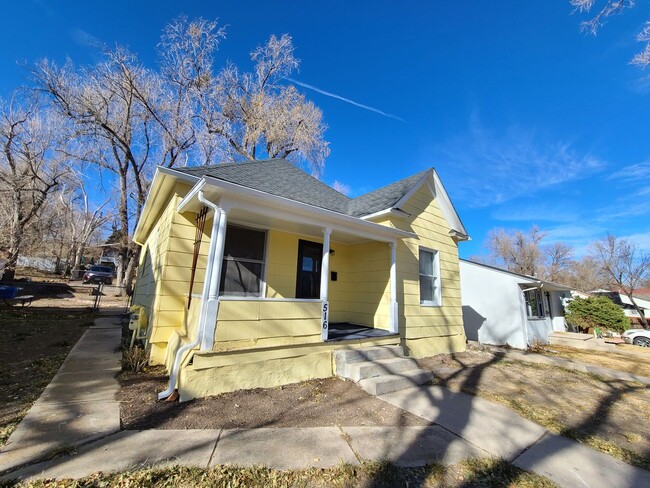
<point x="534" y="303"/>
<point x="429" y="278"/>
<point x="243" y="262"/>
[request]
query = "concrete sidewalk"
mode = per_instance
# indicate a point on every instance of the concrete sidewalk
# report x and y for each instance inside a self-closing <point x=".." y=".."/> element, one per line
<point x="79" y="404"/>
<point x="78" y="409"/>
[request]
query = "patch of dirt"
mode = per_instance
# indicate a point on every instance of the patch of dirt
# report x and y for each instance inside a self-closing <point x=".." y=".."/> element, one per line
<point x="609" y="415"/>
<point x="35" y="341"/>
<point x="315" y="403"/>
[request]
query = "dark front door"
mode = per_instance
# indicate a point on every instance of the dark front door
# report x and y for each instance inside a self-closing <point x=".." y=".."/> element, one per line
<point x="310" y="255"/>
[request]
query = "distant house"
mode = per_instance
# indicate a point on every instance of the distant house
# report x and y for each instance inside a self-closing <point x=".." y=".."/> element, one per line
<point x="505" y="308"/>
<point x="625" y="303"/>
<point x="252" y="274"/>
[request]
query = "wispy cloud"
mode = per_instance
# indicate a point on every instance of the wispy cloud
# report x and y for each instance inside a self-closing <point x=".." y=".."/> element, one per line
<point x="343" y="99"/>
<point x="341" y="187"/>
<point x="84" y="38"/>
<point x="492" y="168"/>
<point x="634" y="172"/>
<point x="641" y="239"/>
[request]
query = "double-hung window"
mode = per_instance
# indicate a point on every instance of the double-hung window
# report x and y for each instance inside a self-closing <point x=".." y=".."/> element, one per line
<point x="429" y="278"/>
<point x="243" y="262"/>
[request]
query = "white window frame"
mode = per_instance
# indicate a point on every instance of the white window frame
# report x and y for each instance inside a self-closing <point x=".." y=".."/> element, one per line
<point x="264" y="262"/>
<point x="437" y="281"/>
<point x="540" y="299"/>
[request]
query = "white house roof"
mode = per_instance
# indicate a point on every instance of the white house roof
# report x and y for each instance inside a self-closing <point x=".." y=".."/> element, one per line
<point x="524" y="279"/>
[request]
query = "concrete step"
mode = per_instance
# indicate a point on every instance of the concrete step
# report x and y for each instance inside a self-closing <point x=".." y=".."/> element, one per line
<point x="361" y="370"/>
<point x="380" y="385"/>
<point x="343" y="357"/>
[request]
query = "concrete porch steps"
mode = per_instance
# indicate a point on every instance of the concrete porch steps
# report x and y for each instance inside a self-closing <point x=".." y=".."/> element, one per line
<point x="380" y="370"/>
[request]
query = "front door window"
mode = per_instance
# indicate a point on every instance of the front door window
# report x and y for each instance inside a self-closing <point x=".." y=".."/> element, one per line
<point x="310" y="256"/>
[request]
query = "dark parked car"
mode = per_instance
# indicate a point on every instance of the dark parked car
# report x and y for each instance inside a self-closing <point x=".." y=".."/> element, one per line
<point x="98" y="274"/>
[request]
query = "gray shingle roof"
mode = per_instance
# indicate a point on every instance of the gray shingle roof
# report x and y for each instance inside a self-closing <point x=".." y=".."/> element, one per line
<point x="281" y="178"/>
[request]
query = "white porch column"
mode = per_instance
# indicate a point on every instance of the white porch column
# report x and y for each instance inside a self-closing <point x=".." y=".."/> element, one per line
<point x="212" y="306"/>
<point x="324" y="282"/>
<point x="394" y="320"/>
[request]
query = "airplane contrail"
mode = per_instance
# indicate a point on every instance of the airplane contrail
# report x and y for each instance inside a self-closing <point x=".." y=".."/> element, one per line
<point x="343" y="99"/>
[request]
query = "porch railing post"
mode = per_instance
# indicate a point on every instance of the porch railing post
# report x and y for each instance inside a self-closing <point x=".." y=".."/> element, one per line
<point x="324" y="282"/>
<point x="212" y="305"/>
<point x="394" y="320"/>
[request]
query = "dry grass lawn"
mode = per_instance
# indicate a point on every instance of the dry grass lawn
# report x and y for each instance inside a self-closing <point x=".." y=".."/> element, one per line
<point x="634" y="363"/>
<point x="609" y="415"/>
<point x="468" y="474"/>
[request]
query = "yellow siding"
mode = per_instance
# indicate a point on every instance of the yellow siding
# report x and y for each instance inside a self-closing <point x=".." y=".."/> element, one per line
<point x="252" y="323"/>
<point x="162" y="283"/>
<point x="368" y="285"/>
<point x="361" y="292"/>
<point x="428" y="330"/>
<point x="281" y="265"/>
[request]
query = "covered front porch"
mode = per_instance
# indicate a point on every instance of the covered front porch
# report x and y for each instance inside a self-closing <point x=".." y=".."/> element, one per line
<point x="285" y="277"/>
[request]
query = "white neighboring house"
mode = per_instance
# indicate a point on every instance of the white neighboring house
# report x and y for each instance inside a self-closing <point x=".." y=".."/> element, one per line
<point x="501" y="307"/>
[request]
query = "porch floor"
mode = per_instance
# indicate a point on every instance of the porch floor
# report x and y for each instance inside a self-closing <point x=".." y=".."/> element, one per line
<point x="344" y="331"/>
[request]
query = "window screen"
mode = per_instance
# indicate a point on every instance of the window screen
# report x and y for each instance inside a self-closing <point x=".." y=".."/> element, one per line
<point x="243" y="262"/>
<point x="429" y="277"/>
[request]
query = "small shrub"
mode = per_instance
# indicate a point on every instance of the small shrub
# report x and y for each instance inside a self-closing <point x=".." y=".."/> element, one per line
<point x="596" y="312"/>
<point x="134" y="359"/>
<point x="537" y="347"/>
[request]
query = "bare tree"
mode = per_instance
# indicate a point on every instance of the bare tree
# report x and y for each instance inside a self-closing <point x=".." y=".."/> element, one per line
<point x="80" y="219"/>
<point x="128" y="119"/>
<point x="604" y="10"/>
<point x="517" y="252"/>
<point x="584" y="275"/>
<point x="623" y="265"/>
<point x="558" y="261"/>
<point x="246" y="115"/>
<point x="120" y="112"/>
<point x="31" y="168"/>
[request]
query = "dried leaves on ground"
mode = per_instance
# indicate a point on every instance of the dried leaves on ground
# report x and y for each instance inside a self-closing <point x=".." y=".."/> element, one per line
<point x="467" y="474"/>
<point x="606" y="414"/>
<point x="36" y="340"/>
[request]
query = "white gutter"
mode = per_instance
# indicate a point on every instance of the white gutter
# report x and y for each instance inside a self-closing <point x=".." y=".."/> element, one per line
<point x="205" y="296"/>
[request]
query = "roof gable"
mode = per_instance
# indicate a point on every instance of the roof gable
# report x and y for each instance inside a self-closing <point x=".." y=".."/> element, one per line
<point x="281" y="178"/>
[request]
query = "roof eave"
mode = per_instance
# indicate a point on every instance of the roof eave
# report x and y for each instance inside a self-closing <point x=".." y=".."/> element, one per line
<point x="316" y="214"/>
<point x="160" y="179"/>
<point x="388" y="212"/>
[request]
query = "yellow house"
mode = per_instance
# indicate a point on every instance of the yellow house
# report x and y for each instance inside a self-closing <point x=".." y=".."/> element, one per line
<point x="253" y="273"/>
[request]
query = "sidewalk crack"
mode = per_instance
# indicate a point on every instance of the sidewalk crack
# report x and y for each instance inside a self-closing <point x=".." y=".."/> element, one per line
<point x="545" y="434"/>
<point x="348" y="440"/>
<point x="214" y="449"/>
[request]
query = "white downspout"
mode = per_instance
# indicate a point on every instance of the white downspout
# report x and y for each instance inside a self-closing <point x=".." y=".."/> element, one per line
<point x="208" y="319"/>
<point x="204" y="298"/>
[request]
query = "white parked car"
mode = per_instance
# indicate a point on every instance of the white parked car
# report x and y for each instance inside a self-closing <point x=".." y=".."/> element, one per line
<point x="638" y="337"/>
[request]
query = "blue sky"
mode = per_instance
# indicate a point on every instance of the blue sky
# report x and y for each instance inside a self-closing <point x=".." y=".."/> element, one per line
<point x="527" y="120"/>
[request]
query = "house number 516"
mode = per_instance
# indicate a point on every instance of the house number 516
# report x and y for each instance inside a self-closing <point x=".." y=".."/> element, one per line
<point x="324" y="316"/>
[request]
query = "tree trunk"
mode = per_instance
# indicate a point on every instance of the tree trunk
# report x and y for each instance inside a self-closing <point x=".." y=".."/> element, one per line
<point x="120" y="272"/>
<point x="644" y="321"/>
<point x="127" y="283"/>
<point x="16" y="239"/>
